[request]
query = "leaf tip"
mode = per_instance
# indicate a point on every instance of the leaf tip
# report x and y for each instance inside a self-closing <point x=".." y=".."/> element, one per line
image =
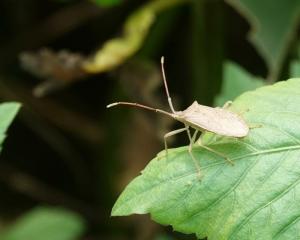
<point x="116" y="212"/>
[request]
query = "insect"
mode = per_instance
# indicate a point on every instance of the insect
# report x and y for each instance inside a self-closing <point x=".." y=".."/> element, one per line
<point x="201" y="118"/>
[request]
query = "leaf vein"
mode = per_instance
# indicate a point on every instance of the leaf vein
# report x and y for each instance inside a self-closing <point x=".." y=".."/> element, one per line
<point x="286" y="190"/>
<point x="274" y="168"/>
<point x="223" y="195"/>
<point x="286" y="227"/>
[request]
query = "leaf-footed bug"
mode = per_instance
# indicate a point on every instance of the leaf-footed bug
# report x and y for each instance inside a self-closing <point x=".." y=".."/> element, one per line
<point x="202" y="118"/>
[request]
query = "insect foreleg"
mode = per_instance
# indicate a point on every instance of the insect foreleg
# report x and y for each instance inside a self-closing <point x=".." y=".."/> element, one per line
<point x="172" y="133"/>
<point x="215" y="152"/>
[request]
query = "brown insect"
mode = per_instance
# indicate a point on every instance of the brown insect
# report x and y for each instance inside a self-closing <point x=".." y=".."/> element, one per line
<point x="202" y="118"/>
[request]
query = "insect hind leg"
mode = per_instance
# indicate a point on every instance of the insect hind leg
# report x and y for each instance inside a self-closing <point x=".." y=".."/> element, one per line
<point x="215" y="152"/>
<point x="255" y="125"/>
<point x="227" y="104"/>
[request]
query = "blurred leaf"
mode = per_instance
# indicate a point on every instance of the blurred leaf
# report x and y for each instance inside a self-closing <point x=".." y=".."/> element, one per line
<point x="235" y="82"/>
<point x="108" y="3"/>
<point x="7" y="113"/>
<point x="273" y="25"/>
<point x="257" y="198"/>
<point x="117" y="50"/>
<point x="295" y="68"/>
<point x="46" y="224"/>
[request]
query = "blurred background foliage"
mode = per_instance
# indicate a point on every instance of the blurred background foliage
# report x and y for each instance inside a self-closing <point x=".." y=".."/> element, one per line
<point x="67" y="157"/>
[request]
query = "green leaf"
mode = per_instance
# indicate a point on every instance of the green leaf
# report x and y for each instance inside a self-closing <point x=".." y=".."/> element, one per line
<point x="107" y="3"/>
<point x="235" y="82"/>
<point x="8" y="112"/>
<point x="257" y="198"/>
<point x="45" y="223"/>
<point x="274" y="24"/>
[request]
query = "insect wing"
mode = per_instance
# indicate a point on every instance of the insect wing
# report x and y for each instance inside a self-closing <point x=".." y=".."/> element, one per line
<point x="216" y="120"/>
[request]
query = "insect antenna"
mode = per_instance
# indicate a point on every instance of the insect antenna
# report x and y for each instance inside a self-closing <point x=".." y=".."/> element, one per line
<point x="140" y="106"/>
<point x="162" y="60"/>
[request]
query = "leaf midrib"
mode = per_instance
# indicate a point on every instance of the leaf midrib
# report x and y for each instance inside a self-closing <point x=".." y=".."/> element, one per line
<point x="165" y="181"/>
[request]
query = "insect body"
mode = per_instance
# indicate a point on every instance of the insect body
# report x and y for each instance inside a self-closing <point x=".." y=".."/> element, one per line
<point x="201" y="118"/>
<point x="217" y="120"/>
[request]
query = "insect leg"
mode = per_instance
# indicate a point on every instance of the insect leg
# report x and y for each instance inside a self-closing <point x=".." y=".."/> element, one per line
<point x="255" y="125"/>
<point x="227" y="104"/>
<point x="172" y="133"/>
<point x="192" y="141"/>
<point x="215" y="152"/>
